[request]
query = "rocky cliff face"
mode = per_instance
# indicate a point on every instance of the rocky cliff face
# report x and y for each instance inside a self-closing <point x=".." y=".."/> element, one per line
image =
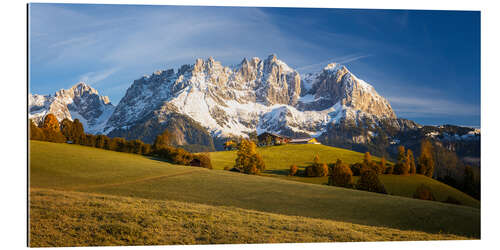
<point x="335" y="84"/>
<point x="255" y="95"/>
<point x="79" y="102"/>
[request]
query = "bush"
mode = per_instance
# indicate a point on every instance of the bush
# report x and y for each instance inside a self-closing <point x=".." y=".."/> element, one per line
<point x="389" y="169"/>
<point x="201" y="160"/>
<point x="356" y="169"/>
<point x="369" y="181"/>
<point x="180" y="156"/>
<point x="401" y="169"/>
<point x="309" y="171"/>
<point x="293" y="170"/>
<point x="364" y="168"/>
<point x="321" y="170"/>
<point x="379" y="168"/>
<point x="423" y="192"/>
<point x="341" y="176"/>
<point x="317" y="170"/>
<point x="174" y="155"/>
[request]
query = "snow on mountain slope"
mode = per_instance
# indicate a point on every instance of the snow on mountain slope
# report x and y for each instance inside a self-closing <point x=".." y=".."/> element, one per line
<point x="80" y="102"/>
<point x="255" y="95"/>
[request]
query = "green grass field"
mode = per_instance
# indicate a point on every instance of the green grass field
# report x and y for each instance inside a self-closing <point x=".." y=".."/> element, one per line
<point x="279" y="158"/>
<point x="72" y="186"/>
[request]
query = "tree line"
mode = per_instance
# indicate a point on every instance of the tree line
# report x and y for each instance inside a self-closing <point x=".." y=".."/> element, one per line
<point x="405" y="165"/>
<point x="68" y="131"/>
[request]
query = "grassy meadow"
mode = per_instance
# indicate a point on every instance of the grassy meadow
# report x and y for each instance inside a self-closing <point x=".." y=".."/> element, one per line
<point x="86" y="196"/>
<point x="105" y="220"/>
<point x="279" y="158"/>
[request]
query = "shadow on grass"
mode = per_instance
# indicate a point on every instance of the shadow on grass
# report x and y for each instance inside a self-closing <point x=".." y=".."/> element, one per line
<point x="283" y="172"/>
<point x="300" y="177"/>
<point x="155" y="158"/>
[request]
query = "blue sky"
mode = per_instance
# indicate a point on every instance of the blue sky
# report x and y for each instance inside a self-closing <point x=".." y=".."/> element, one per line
<point x="426" y="63"/>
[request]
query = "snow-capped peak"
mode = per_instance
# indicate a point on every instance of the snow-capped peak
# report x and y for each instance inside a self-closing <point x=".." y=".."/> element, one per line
<point x="81" y="101"/>
<point x="333" y="67"/>
<point x="263" y="95"/>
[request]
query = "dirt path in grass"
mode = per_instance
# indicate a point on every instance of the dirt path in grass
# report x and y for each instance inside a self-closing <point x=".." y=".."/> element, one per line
<point x="150" y="178"/>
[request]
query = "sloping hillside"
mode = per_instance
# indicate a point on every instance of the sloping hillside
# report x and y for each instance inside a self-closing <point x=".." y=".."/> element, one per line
<point x="77" y="168"/>
<point x="57" y="216"/>
<point x="279" y="158"/>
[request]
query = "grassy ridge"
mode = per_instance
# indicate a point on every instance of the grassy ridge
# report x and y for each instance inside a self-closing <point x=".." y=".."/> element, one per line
<point x="115" y="220"/>
<point x="403" y="186"/>
<point x="128" y="175"/>
<point x="279" y="158"/>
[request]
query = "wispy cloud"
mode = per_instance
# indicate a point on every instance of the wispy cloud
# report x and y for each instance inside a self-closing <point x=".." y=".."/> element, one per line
<point x="73" y="41"/>
<point x="352" y="58"/>
<point x="96" y="77"/>
<point x="341" y="60"/>
<point x="131" y="41"/>
<point x="155" y="36"/>
<point x="431" y="107"/>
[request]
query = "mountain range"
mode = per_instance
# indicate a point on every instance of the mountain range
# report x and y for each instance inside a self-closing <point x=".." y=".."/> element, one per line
<point x="206" y="103"/>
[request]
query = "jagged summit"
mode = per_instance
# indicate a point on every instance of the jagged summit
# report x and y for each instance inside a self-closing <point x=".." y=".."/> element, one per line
<point x="80" y="89"/>
<point x="262" y="95"/>
<point x="81" y="101"/>
<point x="336" y="84"/>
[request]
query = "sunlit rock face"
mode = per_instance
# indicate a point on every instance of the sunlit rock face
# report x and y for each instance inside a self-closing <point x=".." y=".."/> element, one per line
<point x="255" y="95"/>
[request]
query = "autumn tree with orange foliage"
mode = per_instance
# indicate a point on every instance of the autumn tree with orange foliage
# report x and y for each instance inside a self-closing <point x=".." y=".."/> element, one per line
<point x="248" y="160"/>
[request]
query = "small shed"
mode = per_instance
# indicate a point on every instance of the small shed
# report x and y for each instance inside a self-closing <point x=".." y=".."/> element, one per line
<point x="268" y="138"/>
<point x="304" y="141"/>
